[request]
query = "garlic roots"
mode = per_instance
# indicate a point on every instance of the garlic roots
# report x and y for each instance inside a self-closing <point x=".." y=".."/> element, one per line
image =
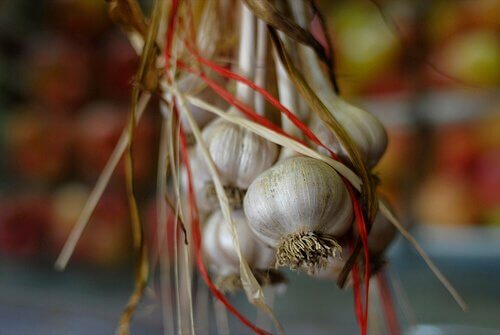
<point x="364" y="128"/>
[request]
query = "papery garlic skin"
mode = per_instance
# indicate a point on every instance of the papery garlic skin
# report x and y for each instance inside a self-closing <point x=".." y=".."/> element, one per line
<point x="299" y="199"/>
<point x="239" y="155"/>
<point x="219" y="247"/>
<point x="364" y="128"/>
<point x="380" y="237"/>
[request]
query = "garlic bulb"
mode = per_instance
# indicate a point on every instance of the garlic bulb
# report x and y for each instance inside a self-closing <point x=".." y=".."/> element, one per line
<point x="299" y="206"/>
<point x="220" y="250"/>
<point x="239" y="155"/>
<point x="204" y="189"/>
<point x="364" y="128"/>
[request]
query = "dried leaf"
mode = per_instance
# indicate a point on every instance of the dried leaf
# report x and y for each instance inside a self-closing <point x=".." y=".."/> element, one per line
<point x="266" y="11"/>
<point x="128" y="15"/>
<point x="144" y="72"/>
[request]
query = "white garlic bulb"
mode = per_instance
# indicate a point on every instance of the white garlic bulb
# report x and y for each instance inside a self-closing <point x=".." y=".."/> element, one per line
<point x="219" y="247"/>
<point x="239" y="155"/>
<point x="299" y="206"/>
<point x="366" y="131"/>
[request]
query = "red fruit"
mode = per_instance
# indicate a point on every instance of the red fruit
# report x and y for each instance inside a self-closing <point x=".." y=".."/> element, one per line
<point x="446" y="200"/>
<point x="80" y="18"/>
<point x="58" y="72"/>
<point x="99" y="129"/>
<point x="106" y="239"/>
<point x="38" y="146"/>
<point x="486" y="179"/>
<point x="117" y="66"/>
<point x="23" y="223"/>
<point x="455" y="149"/>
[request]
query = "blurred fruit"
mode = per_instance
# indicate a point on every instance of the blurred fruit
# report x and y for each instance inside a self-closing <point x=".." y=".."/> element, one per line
<point x="486" y="178"/>
<point x="455" y="149"/>
<point x="67" y="202"/>
<point x="366" y="48"/>
<point x="472" y="57"/>
<point x="57" y="72"/>
<point x="487" y="130"/>
<point x="82" y="18"/>
<point x="398" y="156"/>
<point x="492" y="217"/>
<point x="23" y="222"/>
<point x="116" y="67"/>
<point x="446" y="200"/>
<point x="442" y="21"/>
<point x="99" y="128"/>
<point x="38" y="145"/>
<point x="449" y="18"/>
<point x="105" y="241"/>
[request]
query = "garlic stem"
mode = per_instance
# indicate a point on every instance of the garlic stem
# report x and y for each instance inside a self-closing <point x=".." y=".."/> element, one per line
<point x="260" y="68"/>
<point x="313" y="72"/>
<point x="246" y="58"/>
<point x="288" y="98"/>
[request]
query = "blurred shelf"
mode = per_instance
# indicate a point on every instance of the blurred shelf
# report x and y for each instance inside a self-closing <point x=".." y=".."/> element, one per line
<point x="460" y="242"/>
<point x="450" y="330"/>
<point x="434" y="107"/>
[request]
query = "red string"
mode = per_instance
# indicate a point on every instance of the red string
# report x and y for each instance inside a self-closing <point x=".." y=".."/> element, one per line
<point x="170" y="31"/>
<point x="361" y="225"/>
<point x="387" y="304"/>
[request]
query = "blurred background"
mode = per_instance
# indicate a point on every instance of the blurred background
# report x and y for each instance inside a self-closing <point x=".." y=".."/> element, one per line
<point x="430" y="70"/>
